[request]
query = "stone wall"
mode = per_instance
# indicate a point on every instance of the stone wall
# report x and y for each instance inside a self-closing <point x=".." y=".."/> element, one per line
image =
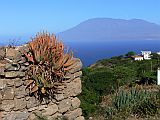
<point x="17" y="104"/>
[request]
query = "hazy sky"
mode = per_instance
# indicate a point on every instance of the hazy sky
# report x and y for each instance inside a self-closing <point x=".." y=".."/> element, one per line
<point x="25" y="17"/>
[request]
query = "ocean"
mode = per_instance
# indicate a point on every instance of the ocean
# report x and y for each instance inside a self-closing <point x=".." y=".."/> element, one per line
<point x="90" y="52"/>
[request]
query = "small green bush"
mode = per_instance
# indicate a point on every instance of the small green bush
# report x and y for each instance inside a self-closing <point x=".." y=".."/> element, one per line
<point x="141" y="103"/>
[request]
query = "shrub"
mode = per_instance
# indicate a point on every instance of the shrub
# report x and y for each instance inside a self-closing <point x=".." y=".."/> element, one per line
<point x="141" y="103"/>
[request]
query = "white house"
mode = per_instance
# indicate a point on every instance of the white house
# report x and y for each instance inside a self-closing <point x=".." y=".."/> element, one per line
<point x="158" y="76"/>
<point x="146" y="55"/>
<point x="137" y="57"/>
<point x="158" y="53"/>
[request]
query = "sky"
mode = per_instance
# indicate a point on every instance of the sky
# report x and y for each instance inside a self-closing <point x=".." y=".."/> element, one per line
<point x="26" y="17"/>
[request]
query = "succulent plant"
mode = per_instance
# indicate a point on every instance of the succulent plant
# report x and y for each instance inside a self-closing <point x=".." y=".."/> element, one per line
<point x="49" y="64"/>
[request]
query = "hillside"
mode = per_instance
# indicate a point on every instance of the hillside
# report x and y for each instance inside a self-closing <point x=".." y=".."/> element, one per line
<point x="120" y="88"/>
<point x="103" y="29"/>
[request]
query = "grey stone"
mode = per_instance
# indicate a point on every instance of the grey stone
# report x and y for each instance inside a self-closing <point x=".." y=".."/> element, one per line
<point x="55" y="116"/>
<point x="50" y="110"/>
<point x="42" y="107"/>
<point x="20" y="92"/>
<point x="77" y="67"/>
<point x="73" y="88"/>
<point x="26" y="63"/>
<point x="72" y="115"/>
<point x="9" y="82"/>
<point x="24" y="48"/>
<point x="59" y="97"/>
<point x="12" y="54"/>
<point x="72" y="76"/>
<point x="75" y="103"/>
<point x="7" y="105"/>
<point x="8" y="94"/>
<point x="2" y="115"/>
<point x="11" y="74"/>
<point x="14" y="74"/>
<point x="32" y="102"/>
<point x="3" y="63"/>
<point x="17" y="115"/>
<point x="2" y="71"/>
<point x="80" y="118"/>
<point x="64" y="105"/>
<point x="18" y="82"/>
<point x="23" y="60"/>
<point x="33" y="109"/>
<point x="2" y="53"/>
<point x="3" y="84"/>
<point x="32" y="116"/>
<point x="19" y="104"/>
<point x="22" y="115"/>
<point x="21" y="74"/>
<point x="23" y="68"/>
<point x="12" y="67"/>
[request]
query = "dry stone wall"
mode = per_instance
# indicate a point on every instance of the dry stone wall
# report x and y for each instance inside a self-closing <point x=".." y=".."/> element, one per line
<point x="17" y="104"/>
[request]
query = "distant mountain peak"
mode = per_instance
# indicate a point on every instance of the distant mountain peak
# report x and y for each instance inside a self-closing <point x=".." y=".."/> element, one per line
<point x="104" y="29"/>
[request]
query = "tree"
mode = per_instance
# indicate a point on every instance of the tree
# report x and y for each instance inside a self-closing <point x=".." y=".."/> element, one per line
<point x="129" y="54"/>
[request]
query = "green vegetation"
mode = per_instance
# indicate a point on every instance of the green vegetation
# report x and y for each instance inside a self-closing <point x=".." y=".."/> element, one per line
<point x="108" y="76"/>
<point x="129" y="54"/>
<point x="134" y="102"/>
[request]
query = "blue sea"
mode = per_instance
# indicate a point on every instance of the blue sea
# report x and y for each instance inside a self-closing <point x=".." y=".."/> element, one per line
<point x="90" y="52"/>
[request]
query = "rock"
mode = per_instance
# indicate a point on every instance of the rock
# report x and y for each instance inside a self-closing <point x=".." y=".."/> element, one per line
<point x="17" y="116"/>
<point x="72" y="76"/>
<point x="22" y="115"/>
<point x="32" y="117"/>
<point x="64" y="105"/>
<point x="55" y="117"/>
<point x="24" y="48"/>
<point x="75" y="103"/>
<point x="11" y="74"/>
<point x="12" y="67"/>
<point x="9" y="82"/>
<point x="2" y="71"/>
<point x="19" y="104"/>
<point x="80" y="118"/>
<point x="26" y="64"/>
<point x="3" y="63"/>
<point x="0" y="98"/>
<point x="32" y="102"/>
<point x="20" y="92"/>
<point x="13" y="54"/>
<point x="23" y="68"/>
<point x="23" y="60"/>
<point x="8" y="94"/>
<point x="2" y="53"/>
<point x="73" y="88"/>
<point x="18" y="82"/>
<point x="33" y="109"/>
<point x="50" y="110"/>
<point x="59" y="97"/>
<point x="7" y="105"/>
<point x="14" y="74"/>
<point x="42" y="107"/>
<point x="3" y="84"/>
<point x="76" y="67"/>
<point x="72" y="115"/>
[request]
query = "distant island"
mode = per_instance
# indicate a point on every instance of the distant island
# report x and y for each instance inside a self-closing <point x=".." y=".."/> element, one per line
<point x="104" y="29"/>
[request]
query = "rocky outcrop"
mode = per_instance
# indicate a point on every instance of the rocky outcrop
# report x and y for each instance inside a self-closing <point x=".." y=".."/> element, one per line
<point x="17" y="104"/>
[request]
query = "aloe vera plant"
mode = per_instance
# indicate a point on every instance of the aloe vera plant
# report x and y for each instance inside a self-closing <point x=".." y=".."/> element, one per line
<point x="49" y="64"/>
<point x="134" y="102"/>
